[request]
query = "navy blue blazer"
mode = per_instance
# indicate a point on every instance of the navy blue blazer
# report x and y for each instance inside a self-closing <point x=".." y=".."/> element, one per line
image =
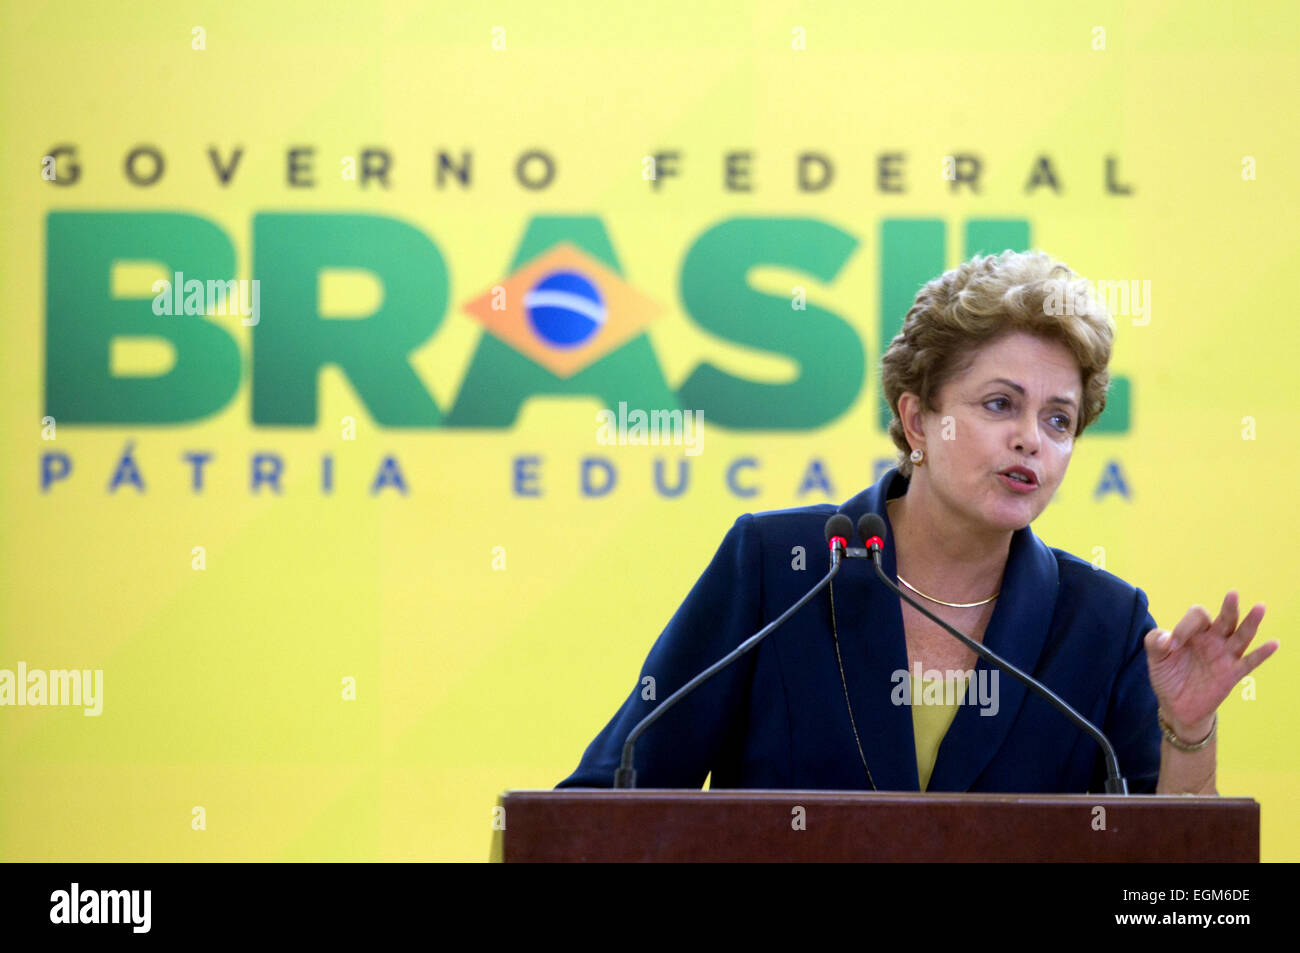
<point x="778" y="716"/>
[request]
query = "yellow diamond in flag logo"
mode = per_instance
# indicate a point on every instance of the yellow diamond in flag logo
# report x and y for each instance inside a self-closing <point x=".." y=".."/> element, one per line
<point x="564" y="310"/>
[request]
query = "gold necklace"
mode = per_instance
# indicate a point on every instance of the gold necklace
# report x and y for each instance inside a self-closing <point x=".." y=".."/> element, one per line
<point x="952" y="605"/>
<point x="955" y="605"/>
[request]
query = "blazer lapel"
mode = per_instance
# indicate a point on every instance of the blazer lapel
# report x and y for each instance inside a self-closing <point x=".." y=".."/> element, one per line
<point x="1017" y="632"/>
<point x="869" y="623"/>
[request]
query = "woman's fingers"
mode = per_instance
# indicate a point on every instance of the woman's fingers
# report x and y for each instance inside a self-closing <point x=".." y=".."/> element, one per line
<point x="1226" y="623"/>
<point x="1157" y="650"/>
<point x="1245" y="633"/>
<point x="1253" y="660"/>
<point x="1196" y="620"/>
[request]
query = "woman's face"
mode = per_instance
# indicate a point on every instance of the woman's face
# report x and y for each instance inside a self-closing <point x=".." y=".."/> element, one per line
<point x="1016" y="406"/>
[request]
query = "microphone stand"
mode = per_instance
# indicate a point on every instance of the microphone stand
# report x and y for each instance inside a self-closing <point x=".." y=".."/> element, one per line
<point x="625" y="776"/>
<point x="1115" y="782"/>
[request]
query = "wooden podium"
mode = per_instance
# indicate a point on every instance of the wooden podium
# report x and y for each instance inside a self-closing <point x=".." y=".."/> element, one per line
<point x="733" y="825"/>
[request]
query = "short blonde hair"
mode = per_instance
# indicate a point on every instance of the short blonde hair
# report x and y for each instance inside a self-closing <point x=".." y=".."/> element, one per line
<point x="981" y="300"/>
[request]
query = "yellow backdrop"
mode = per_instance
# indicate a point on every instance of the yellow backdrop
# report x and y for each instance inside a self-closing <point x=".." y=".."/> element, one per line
<point x="489" y="634"/>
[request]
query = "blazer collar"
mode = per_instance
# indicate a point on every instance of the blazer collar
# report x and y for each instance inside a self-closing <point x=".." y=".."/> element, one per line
<point x="869" y="620"/>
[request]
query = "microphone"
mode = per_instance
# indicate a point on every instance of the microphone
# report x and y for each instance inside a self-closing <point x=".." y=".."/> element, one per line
<point x="838" y="530"/>
<point x="871" y="527"/>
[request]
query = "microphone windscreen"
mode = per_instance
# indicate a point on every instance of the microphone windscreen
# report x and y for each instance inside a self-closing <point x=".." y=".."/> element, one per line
<point x="839" y="525"/>
<point x="871" y="524"/>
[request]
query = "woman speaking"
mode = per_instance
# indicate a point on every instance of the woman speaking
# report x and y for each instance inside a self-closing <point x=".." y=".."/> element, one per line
<point x="1000" y="366"/>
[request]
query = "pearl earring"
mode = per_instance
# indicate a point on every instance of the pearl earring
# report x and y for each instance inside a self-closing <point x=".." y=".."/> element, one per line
<point x="918" y="456"/>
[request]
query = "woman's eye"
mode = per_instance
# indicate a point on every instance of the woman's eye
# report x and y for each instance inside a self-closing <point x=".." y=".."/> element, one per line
<point x="995" y="400"/>
<point x="1065" y="421"/>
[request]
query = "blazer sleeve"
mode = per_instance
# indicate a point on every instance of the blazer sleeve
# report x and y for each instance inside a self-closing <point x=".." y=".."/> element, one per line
<point x="1131" y="723"/>
<point x="679" y="750"/>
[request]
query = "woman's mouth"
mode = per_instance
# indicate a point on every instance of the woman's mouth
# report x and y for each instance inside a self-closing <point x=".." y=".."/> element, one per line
<point x="1018" y="485"/>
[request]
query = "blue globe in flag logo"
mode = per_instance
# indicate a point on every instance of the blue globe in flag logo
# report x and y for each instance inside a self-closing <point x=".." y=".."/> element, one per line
<point x="565" y="309"/>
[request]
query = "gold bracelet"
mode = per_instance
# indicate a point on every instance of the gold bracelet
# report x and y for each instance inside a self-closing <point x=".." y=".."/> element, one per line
<point x="1177" y="742"/>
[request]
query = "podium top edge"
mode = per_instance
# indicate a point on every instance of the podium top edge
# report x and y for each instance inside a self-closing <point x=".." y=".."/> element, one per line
<point x="784" y="795"/>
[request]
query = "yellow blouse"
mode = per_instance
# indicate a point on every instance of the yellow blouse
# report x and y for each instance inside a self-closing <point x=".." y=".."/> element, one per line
<point x="930" y="722"/>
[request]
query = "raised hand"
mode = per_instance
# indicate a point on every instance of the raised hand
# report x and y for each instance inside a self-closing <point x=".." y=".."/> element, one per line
<point x="1195" y="667"/>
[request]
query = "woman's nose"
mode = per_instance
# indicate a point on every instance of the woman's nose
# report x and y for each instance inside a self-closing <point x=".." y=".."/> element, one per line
<point x="1028" y="439"/>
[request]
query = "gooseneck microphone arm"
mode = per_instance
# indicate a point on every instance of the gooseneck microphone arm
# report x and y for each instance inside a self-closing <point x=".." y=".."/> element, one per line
<point x="838" y="528"/>
<point x="872" y="529"/>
